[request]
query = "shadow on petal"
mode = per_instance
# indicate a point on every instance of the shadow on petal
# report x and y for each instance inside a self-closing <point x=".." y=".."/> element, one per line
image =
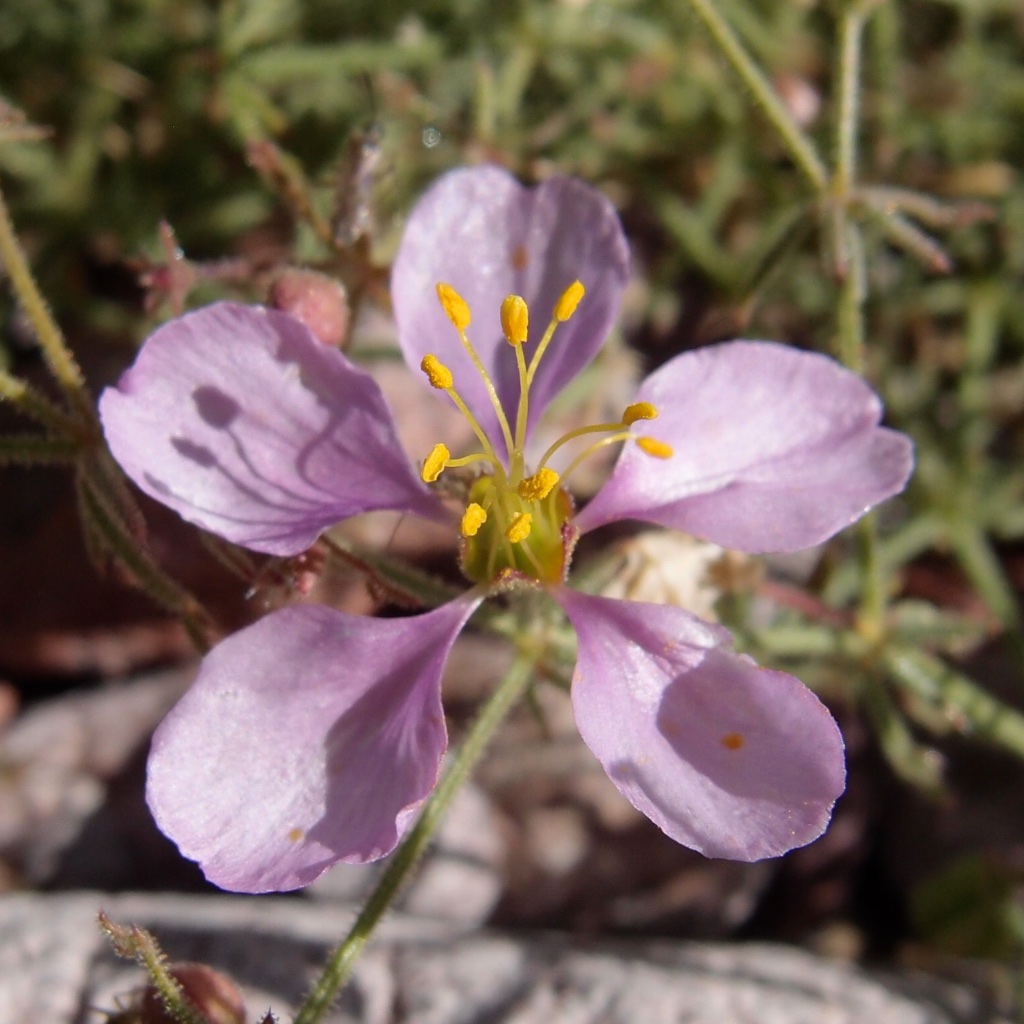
<point x="382" y="758"/>
<point x="198" y="453"/>
<point x="752" y="732"/>
<point x="215" y="408"/>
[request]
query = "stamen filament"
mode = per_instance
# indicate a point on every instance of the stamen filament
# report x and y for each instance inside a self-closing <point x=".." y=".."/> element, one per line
<point x="493" y="501"/>
<point x="540" y="350"/>
<point x="477" y="429"/>
<point x="522" y="413"/>
<point x="624" y="435"/>
<point x="491" y="393"/>
<point x="564" y="309"/>
<point x="534" y="561"/>
<point x="595" y="428"/>
<point x="465" y="460"/>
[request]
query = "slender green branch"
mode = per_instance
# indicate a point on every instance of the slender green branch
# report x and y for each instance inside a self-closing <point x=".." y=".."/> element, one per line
<point x="909" y="759"/>
<point x="402" y="582"/>
<point x="933" y="681"/>
<point x="36" y="405"/>
<point x="974" y="552"/>
<point x="845" y="239"/>
<point x="874" y="591"/>
<point x="342" y="960"/>
<point x="103" y="520"/>
<point x="851" y="34"/>
<point x="853" y="288"/>
<point x="852" y="295"/>
<point x="799" y="145"/>
<point x="58" y="356"/>
<point x="107" y="479"/>
<point x="35" y="450"/>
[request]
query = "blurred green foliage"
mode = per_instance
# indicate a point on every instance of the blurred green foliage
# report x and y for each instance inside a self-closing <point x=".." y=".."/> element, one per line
<point x="973" y="908"/>
<point x="155" y="108"/>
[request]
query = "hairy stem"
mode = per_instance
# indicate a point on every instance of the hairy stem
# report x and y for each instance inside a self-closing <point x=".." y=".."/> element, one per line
<point x="851" y="31"/>
<point x="800" y="147"/>
<point x="58" y="356"/>
<point x="37" y="406"/>
<point x="854" y="287"/>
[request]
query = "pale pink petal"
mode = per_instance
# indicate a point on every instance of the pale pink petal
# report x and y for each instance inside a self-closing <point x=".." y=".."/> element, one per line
<point x="242" y="422"/>
<point x="308" y="738"/>
<point x="727" y="758"/>
<point x="480" y="231"/>
<point x="774" y="450"/>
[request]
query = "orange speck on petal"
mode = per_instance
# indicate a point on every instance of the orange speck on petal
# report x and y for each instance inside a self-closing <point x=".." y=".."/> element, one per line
<point x="732" y="741"/>
<point x="296" y="834"/>
<point x="518" y="257"/>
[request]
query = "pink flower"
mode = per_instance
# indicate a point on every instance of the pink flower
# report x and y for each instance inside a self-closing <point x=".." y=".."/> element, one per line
<point x="312" y="736"/>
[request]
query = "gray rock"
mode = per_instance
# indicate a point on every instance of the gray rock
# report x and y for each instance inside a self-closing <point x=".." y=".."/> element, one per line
<point x="461" y="877"/>
<point x="57" y="759"/>
<point x="55" y="968"/>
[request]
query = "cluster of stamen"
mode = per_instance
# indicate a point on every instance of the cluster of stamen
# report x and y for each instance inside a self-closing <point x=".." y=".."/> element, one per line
<point x="515" y="524"/>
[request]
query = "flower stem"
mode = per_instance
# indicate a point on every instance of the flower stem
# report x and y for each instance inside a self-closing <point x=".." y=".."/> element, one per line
<point x="342" y="961"/>
<point x="58" y="356"/>
<point x="800" y="147"/>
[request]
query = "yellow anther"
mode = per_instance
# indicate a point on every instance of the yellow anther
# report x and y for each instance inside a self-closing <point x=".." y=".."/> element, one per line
<point x="472" y="519"/>
<point x="438" y="374"/>
<point x="522" y="523"/>
<point x="639" y="411"/>
<point x="435" y="462"/>
<point x="538" y="486"/>
<point x="569" y="300"/>
<point x="454" y="305"/>
<point x="659" y="449"/>
<point x="515" y="319"/>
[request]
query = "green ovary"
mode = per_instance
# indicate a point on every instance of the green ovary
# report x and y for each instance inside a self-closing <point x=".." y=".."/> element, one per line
<point x="490" y="557"/>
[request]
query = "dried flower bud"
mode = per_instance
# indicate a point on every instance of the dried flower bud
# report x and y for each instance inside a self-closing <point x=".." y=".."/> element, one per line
<point x="317" y="300"/>
<point x="214" y="994"/>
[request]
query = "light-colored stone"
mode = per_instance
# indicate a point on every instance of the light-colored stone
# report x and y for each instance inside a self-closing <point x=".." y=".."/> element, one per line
<point x="461" y="877"/>
<point x="56" y="760"/>
<point x="56" y="968"/>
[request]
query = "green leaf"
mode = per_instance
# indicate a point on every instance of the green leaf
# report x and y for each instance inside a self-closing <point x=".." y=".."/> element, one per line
<point x="968" y="708"/>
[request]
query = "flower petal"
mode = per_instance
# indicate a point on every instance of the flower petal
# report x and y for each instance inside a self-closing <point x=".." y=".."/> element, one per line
<point x="774" y="450"/>
<point x="308" y="738"/>
<point x="242" y="422"/>
<point x="487" y="236"/>
<point x="727" y="758"/>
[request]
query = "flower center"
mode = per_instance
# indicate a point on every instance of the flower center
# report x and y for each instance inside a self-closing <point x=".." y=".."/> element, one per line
<point x="515" y="524"/>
